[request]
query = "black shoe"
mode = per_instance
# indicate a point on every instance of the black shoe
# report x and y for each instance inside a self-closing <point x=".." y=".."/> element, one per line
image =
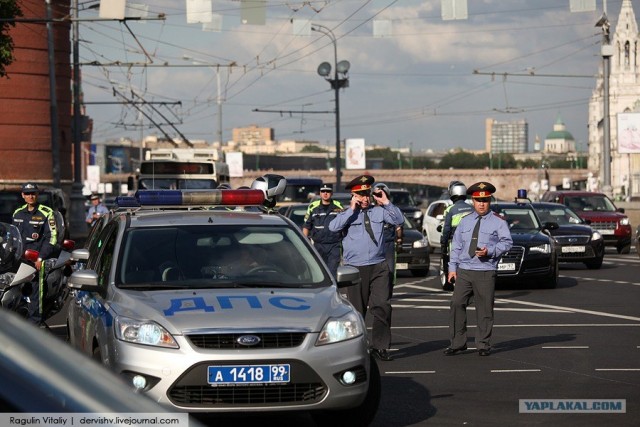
<point x="451" y="351"/>
<point x="484" y="352"/>
<point x="381" y="354"/>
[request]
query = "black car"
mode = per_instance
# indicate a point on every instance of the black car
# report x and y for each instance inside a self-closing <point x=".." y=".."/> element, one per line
<point x="414" y="254"/>
<point x="534" y="254"/>
<point x="577" y="240"/>
<point x="408" y="205"/>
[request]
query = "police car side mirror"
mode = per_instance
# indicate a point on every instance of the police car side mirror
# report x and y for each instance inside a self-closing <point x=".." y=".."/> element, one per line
<point x="440" y="217"/>
<point x="80" y="255"/>
<point x="348" y="276"/>
<point x="84" y="280"/>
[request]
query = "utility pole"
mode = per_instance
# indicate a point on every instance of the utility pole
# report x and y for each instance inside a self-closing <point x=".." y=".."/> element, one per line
<point x="77" y="225"/>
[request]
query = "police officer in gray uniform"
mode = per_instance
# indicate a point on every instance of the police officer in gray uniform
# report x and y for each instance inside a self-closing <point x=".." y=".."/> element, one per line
<point x="478" y="243"/>
<point x="363" y="248"/>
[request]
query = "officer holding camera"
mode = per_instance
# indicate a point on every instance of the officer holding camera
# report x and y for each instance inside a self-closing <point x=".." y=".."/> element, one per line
<point x="363" y="248"/>
<point x="96" y="210"/>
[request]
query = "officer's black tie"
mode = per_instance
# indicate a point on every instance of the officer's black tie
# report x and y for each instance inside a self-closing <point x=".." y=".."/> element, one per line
<point x="367" y="226"/>
<point x="474" y="239"/>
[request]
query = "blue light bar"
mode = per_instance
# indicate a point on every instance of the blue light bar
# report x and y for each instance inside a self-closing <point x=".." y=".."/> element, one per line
<point x="127" y="202"/>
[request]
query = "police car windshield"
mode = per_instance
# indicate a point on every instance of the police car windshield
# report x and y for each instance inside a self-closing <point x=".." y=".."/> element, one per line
<point x="520" y="219"/>
<point x="202" y="256"/>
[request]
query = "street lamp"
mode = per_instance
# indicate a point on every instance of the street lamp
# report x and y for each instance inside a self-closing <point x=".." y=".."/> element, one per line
<point x="607" y="51"/>
<point x="339" y="80"/>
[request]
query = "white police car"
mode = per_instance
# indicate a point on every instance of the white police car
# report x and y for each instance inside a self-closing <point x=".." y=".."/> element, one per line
<point x="209" y="310"/>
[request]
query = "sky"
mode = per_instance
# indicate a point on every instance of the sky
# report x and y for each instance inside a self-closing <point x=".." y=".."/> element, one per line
<point x="430" y="84"/>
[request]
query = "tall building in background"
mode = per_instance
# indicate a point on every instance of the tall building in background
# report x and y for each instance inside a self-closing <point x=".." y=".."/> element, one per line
<point x="507" y="137"/>
<point x="624" y="97"/>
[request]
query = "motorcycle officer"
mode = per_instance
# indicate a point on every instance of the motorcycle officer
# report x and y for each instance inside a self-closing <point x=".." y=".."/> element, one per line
<point x="37" y="226"/>
<point x="452" y="216"/>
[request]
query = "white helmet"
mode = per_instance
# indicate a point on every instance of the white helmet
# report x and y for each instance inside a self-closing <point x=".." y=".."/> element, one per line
<point x="382" y="186"/>
<point x="457" y="189"/>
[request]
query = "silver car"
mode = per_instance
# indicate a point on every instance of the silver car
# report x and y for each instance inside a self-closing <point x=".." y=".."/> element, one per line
<point x="222" y="311"/>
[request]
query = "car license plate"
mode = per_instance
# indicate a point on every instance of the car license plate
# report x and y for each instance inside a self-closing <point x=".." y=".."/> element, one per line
<point x="607" y="231"/>
<point x="573" y="249"/>
<point x="402" y="266"/>
<point x="507" y="266"/>
<point x="248" y="374"/>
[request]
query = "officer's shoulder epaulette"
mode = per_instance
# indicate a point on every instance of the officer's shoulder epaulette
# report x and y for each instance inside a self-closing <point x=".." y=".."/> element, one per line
<point x="20" y="208"/>
<point x="46" y="209"/>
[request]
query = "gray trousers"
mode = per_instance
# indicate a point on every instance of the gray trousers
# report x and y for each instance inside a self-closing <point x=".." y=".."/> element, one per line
<point x="375" y="292"/>
<point x="479" y="285"/>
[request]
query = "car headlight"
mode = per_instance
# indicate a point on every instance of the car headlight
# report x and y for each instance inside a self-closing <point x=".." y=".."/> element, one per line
<point x="421" y="243"/>
<point x="596" y="236"/>
<point x="344" y="328"/>
<point x="543" y="249"/>
<point x="143" y="332"/>
<point x="624" y="221"/>
<point x="417" y="215"/>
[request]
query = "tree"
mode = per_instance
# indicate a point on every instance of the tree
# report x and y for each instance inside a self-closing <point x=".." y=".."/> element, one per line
<point x="313" y="149"/>
<point x="8" y="10"/>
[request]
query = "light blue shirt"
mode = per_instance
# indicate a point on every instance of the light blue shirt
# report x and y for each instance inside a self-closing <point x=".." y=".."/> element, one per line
<point x="494" y="235"/>
<point x="358" y="249"/>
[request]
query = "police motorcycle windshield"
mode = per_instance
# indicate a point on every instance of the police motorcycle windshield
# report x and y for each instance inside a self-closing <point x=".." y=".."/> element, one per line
<point x="11" y="247"/>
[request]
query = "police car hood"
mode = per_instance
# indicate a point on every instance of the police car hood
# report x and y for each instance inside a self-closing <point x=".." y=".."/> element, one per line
<point x="243" y="308"/>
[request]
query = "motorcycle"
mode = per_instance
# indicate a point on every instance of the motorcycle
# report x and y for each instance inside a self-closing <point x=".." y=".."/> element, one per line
<point x="18" y="275"/>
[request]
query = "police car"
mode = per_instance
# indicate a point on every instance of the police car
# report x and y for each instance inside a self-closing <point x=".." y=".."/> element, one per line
<point x="208" y="310"/>
<point x="533" y="258"/>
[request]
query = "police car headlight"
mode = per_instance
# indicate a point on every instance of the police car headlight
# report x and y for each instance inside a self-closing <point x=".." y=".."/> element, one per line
<point x="344" y="328"/>
<point x="143" y="332"/>
<point x="596" y="236"/>
<point x="422" y="243"/>
<point x="542" y="249"/>
<point x="624" y="221"/>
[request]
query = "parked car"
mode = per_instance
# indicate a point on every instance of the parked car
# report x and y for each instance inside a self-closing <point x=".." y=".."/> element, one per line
<point x="533" y="257"/>
<point x="599" y="212"/>
<point x="414" y="255"/>
<point x="577" y="240"/>
<point x="211" y="311"/>
<point x="433" y="220"/>
<point x="408" y="205"/>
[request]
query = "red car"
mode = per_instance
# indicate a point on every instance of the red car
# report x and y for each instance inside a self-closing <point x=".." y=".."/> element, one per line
<point x="599" y="212"/>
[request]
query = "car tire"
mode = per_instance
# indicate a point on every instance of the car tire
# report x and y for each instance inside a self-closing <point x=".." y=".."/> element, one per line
<point x="624" y="249"/>
<point x="594" y="264"/>
<point x="361" y="415"/>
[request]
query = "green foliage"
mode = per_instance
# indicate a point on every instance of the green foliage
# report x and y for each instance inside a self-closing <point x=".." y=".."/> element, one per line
<point x="313" y="149"/>
<point x="8" y="10"/>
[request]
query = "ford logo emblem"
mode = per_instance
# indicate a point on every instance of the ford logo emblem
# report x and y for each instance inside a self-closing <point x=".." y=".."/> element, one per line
<point x="248" y="340"/>
<point x="573" y="240"/>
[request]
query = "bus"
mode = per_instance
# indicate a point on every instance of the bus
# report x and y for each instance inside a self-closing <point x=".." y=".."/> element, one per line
<point x="176" y="169"/>
<point x="300" y="190"/>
